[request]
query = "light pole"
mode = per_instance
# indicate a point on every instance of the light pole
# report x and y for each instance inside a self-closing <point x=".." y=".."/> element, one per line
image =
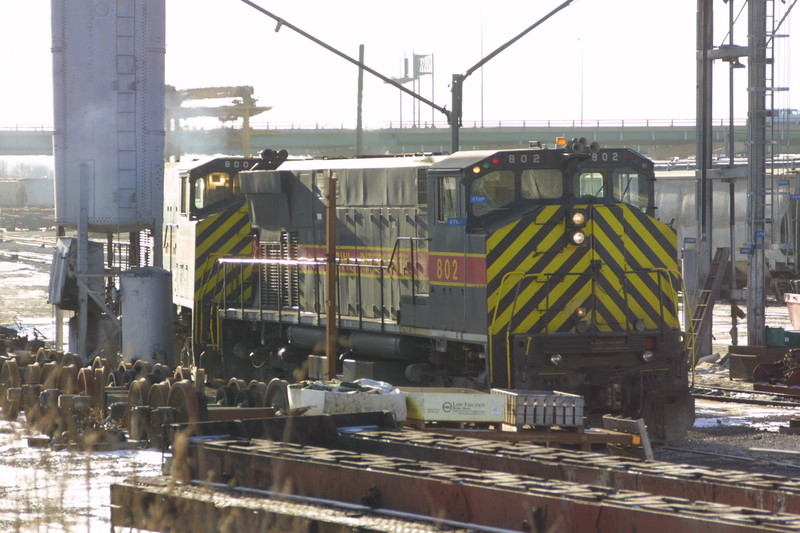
<point x="454" y="114"/>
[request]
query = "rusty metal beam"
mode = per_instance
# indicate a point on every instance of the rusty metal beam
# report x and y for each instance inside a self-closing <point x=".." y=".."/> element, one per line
<point x="761" y="491"/>
<point x="373" y="433"/>
<point x="156" y="504"/>
<point x="490" y="499"/>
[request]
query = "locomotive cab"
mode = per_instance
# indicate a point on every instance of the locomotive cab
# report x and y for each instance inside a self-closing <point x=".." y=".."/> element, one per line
<point x="581" y="281"/>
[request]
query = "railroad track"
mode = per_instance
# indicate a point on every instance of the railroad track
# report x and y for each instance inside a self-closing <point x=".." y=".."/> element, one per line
<point x="720" y="394"/>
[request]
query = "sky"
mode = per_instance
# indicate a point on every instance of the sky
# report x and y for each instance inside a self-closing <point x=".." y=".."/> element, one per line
<point x="594" y="60"/>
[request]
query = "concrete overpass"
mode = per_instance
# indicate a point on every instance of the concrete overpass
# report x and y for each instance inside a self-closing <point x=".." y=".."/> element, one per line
<point x="659" y="139"/>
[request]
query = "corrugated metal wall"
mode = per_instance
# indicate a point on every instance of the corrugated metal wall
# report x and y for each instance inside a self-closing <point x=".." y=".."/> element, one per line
<point x="31" y="192"/>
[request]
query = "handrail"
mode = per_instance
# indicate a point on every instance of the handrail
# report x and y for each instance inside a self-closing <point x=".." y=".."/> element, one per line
<point x="357" y="266"/>
<point x="248" y="261"/>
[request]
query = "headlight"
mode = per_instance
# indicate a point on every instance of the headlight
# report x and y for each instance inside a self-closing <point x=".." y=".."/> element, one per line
<point x="578" y="238"/>
<point x="556" y="359"/>
<point x="647" y="356"/>
<point x="578" y="218"/>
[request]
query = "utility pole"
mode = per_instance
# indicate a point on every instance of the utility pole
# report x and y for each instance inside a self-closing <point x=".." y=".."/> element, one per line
<point x="756" y="154"/>
<point x="359" y="127"/>
<point x="457" y="86"/>
<point x="705" y="219"/>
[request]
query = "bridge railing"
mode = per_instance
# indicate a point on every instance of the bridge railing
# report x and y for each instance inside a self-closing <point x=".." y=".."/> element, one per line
<point x="27" y="127"/>
<point x="516" y="123"/>
<point x="409" y="124"/>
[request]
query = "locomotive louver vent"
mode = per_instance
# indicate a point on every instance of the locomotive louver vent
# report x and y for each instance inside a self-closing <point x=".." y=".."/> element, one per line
<point x="280" y="281"/>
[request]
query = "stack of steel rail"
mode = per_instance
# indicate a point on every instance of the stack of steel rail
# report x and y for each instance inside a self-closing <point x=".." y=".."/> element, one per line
<point x="236" y="474"/>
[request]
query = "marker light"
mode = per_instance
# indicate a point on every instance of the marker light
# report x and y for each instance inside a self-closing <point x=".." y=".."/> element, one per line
<point x="578" y="238"/>
<point x="476" y="169"/>
<point x="561" y="142"/>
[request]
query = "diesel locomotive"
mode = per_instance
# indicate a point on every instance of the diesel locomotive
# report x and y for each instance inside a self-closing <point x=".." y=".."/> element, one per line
<point x="533" y="269"/>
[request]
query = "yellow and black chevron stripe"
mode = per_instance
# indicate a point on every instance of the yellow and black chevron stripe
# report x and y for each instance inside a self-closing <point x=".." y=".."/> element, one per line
<point x="624" y="272"/>
<point x="224" y="234"/>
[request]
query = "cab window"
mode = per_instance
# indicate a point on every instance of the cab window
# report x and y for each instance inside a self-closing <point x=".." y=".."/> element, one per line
<point x="212" y="188"/>
<point x="448" y="201"/>
<point x="491" y="191"/>
<point x="630" y="187"/>
<point x="590" y="184"/>
<point x="540" y="183"/>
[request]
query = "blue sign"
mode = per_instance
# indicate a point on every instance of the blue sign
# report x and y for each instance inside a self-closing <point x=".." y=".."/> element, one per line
<point x="478" y="200"/>
<point x="759" y="234"/>
<point x="746" y="251"/>
<point x="689" y="240"/>
<point x="456" y="221"/>
<point x="783" y="183"/>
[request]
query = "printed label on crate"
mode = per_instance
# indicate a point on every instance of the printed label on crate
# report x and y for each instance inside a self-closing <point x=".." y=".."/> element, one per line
<point x="466" y="408"/>
<point x="440" y="404"/>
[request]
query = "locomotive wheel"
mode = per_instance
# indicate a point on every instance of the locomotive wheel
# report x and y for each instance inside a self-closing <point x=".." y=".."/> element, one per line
<point x="42" y="356"/>
<point x="33" y="374"/>
<point x="189" y="404"/>
<point x="99" y="388"/>
<point x="260" y="388"/>
<point x="114" y="378"/>
<point x="142" y="367"/>
<point x="160" y="372"/>
<point x="158" y="394"/>
<point x="246" y="398"/>
<point x="226" y="396"/>
<point x="9" y="374"/>
<point x="101" y="362"/>
<point x="9" y="378"/>
<point x="68" y="379"/>
<point x="238" y="384"/>
<point x="70" y="358"/>
<point x="30" y="404"/>
<point x="182" y="374"/>
<point x="137" y="394"/>
<point x="157" y="399"/>
<point x="50" y="372"/>
<point x="86" y="381"/>
<point x="277" y="395"/>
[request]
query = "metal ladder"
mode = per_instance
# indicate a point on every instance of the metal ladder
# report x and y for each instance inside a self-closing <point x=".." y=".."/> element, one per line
<point x="702" y="313"/>
<point x="775" y="142"/>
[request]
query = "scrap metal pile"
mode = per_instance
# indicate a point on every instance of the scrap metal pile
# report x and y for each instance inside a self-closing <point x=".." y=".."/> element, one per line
<point x="96" y="406"/>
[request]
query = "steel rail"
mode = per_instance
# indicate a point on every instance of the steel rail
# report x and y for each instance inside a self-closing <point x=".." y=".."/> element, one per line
<point x="768" y="492"/>
<point x="463" y="494"/>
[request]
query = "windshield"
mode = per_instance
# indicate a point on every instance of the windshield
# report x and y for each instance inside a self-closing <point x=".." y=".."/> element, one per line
<point x="541" y="183"/>
<point x="491" y="191"/>
<point x="214" y="187"/>
<point x="630" y="187"/>
<point x="590" y="184"/>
